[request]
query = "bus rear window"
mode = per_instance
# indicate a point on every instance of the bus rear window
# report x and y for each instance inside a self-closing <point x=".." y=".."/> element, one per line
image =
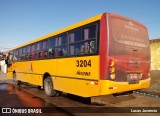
<point x="127" y="36"/>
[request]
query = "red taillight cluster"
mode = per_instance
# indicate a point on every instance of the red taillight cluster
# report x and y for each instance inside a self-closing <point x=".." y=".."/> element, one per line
<point x="111" y="63"/>
<point x="112" y="69"/>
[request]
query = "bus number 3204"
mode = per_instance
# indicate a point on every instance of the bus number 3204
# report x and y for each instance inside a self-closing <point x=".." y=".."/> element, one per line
<point x="83" y="63"/>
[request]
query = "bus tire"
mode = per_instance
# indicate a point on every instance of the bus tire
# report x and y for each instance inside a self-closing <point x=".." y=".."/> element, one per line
<point x="15" y="81"/>
<point x="48" y="87"/>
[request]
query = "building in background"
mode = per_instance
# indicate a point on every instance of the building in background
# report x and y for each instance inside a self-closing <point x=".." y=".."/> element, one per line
<point x="155" y="54"/>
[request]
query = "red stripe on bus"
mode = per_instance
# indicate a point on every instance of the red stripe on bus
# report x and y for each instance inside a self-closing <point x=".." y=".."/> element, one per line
<point x="103" y="47"/>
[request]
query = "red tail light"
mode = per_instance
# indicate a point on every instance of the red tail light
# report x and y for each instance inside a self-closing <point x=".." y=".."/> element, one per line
<point x="112" y="69"/>
<point x="111" y="63"/>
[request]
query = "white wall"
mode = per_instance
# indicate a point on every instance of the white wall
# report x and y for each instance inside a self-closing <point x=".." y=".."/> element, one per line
<point x="3" y="66"/>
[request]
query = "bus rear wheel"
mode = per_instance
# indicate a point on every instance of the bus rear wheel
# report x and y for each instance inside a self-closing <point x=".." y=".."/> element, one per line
<point x="15" y="81"/>
<point x="48" y="87"/>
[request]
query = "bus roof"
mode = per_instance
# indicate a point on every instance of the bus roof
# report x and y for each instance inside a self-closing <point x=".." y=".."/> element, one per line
<point x="76" y="25"/>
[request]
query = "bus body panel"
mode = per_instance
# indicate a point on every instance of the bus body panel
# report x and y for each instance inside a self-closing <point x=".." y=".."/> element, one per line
<point x="128" y="64"/>
<point x="103" y="47"/>
<point x="66" y="76"/>
<point x="76" y="67"/>
<point x="84" y="88"/>
<point x="111" y="87"/>
<point x="10" y="74"/>
<point x="128" y="48"/>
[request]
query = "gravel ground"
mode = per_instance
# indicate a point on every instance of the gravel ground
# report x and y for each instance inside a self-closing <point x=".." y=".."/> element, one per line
<point x="155" y="83"/>
<point x="3" y="76"/>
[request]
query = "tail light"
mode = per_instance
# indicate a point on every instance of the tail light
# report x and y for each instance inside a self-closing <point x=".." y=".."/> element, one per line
<point x="112" y="69"/>
<point x="112" y="76"/>
<point x="111" y="63"/>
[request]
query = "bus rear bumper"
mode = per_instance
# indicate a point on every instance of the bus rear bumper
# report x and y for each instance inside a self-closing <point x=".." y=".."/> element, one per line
<point x="110" y="87"/>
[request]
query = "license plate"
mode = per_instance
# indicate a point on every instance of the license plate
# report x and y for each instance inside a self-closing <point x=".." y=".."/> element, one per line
<point x="133" y="78"/>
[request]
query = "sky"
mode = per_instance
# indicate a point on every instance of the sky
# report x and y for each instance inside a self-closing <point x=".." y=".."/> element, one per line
<point x="24" y="20"/>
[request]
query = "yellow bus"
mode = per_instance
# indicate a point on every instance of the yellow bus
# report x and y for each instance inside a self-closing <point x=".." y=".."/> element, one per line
<point x="104" y="54"/>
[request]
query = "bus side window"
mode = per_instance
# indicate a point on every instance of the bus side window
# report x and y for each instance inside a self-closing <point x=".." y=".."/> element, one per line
<point x="17" y="54"/>
<point x="77" y="51"/>
<point x="51" y="45"/>
<point x="79" y="48"/>
<point x="89" y="32"/>
<point x="86" y="47"/>
<point x="44" y="49"/>
<point x="27" y="56"/>
<point x="58" y="52"/>
<point x="38" y="50"/>
<point x="72" y="50"/>
<point x="75" y="36"/>
<point x="89" y="35"/>
<point x="61" y="51"/>
<point x="30" y="56"/>
<point x="64" y="51"/>
<point x="44" y="54"/>
<point x="23" y="52"/>
<point x="28" y="50"/>
<point x="50" y="53"/>
<point x="92" y="47"/>
<point x="38" y="54"/>
<point x="71" y="37"/>
<point x="33" y="50"/>
<point x="63" y="39"/>
<point x="86" y="34"/>
<point x="82" y="49"/>
<point x="14" y="56"/>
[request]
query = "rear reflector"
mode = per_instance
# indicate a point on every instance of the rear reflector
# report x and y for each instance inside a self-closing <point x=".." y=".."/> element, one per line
<point x="94" y="83"/>
<point x="112" y="87"/>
